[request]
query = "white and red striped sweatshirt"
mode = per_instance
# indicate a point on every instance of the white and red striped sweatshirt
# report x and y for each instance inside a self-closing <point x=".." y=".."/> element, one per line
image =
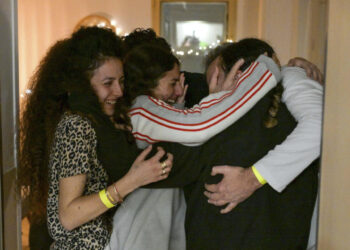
<point x="154" y="120"/>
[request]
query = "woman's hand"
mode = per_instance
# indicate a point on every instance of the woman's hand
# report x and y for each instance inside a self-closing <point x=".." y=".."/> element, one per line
<point x="143" y="172"/>
<point x="217" y="83"/>
<point x="183" y="87"/>
<point x="311" y="69"/>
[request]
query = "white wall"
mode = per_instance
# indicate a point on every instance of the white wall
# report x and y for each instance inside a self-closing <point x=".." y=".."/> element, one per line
<point x="247" y="19"/>
<point x="292" y="27"/>
<point x="43" y="22"/>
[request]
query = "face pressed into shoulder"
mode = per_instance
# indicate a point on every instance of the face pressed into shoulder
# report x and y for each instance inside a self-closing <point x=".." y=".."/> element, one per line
<point x="168" y="86"/>
<point x="107" y="82"/>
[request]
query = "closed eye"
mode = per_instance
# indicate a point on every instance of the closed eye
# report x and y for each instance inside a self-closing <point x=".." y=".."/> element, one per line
<point x="108" y="83"/>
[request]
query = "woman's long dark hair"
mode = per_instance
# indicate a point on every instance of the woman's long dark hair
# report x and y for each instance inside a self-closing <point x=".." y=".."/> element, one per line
<point x="143" y="67"/>
<point x="66" y="68"/>
<point x="142" y="36"/>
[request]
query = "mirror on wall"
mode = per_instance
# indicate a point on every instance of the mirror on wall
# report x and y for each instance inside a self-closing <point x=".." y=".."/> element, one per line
<point x="192" y="29"/>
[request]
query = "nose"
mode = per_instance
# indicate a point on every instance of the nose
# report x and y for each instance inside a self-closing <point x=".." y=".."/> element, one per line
<point x="117" y="89"/>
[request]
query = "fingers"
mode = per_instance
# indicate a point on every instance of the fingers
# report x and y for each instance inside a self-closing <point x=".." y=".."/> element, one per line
<point x="231" y="78"/>
<point x="168" y="162"/>
<point x="170" y="158"/>
<point x="234" y="70"/>
<point x="311" y="69"/>
<point x="164" y="172"/>
<point x="229" y="207"/>
<point x="296" y="62"/>
<point x="291" y="63"/>
<point x="166" y="166"/>
<point x="144" y="153"/>
<point x="182" y="80"/>
<point x="159" y="154"/>
<point x="185" y="90"/>
<point x="214" y="80"/>
<point x="236" y="67"/>
<point x="213" y="196"/>
<point x="212" y="187"/>
<point x="218" y="202"/>
<point x="218" y="170"/>
<point x="317" y="75"/>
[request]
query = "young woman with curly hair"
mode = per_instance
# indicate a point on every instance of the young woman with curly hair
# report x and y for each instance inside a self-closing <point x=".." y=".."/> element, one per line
<point x="74" y="95"/>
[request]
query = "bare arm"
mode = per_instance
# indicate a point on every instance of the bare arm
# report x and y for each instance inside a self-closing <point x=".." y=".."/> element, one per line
<point x="75" y="208"/>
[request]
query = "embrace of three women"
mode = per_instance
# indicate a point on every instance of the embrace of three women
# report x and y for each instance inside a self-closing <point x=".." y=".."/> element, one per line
<point x="112" y="158"/>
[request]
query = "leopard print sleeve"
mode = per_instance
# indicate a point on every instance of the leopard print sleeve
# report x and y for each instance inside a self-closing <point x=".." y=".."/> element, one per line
<point x="75" y="141"/>
<point x="73" y="153"/>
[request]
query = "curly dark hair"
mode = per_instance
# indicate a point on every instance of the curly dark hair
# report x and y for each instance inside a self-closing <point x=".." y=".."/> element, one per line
<point x="140" y="36"/>
<point x="67" y="67"/>
<point x="143" y="67"/>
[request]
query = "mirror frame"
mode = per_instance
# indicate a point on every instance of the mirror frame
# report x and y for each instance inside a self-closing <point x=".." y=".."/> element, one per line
<point x="231" y="14"/>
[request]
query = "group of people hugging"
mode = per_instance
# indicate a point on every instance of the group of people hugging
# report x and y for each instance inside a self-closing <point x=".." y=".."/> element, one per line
<point x="122" y="150"/>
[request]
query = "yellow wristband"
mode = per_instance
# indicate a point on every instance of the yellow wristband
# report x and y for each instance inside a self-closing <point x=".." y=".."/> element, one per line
<point x="258" y="176"/>
<point x="104" y="199"/>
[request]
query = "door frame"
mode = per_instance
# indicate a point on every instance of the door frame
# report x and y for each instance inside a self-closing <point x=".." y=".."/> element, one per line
<point x="10" y="202"/>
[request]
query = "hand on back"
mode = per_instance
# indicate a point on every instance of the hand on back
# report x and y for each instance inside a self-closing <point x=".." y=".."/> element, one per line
<point x="230" y="81"/>
<point x="311" y="69"/>
<point x="143" y="171"/>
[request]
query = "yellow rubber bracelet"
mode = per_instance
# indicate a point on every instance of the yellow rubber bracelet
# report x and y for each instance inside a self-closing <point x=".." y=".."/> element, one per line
<point x="104" y="199"/>
<point x="258" y="176"/>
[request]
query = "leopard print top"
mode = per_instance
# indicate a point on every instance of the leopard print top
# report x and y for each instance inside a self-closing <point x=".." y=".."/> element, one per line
<point x="73" y="153"/>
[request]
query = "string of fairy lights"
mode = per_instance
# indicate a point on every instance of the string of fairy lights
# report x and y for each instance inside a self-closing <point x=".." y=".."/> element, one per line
<point x="200" y="51"/>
